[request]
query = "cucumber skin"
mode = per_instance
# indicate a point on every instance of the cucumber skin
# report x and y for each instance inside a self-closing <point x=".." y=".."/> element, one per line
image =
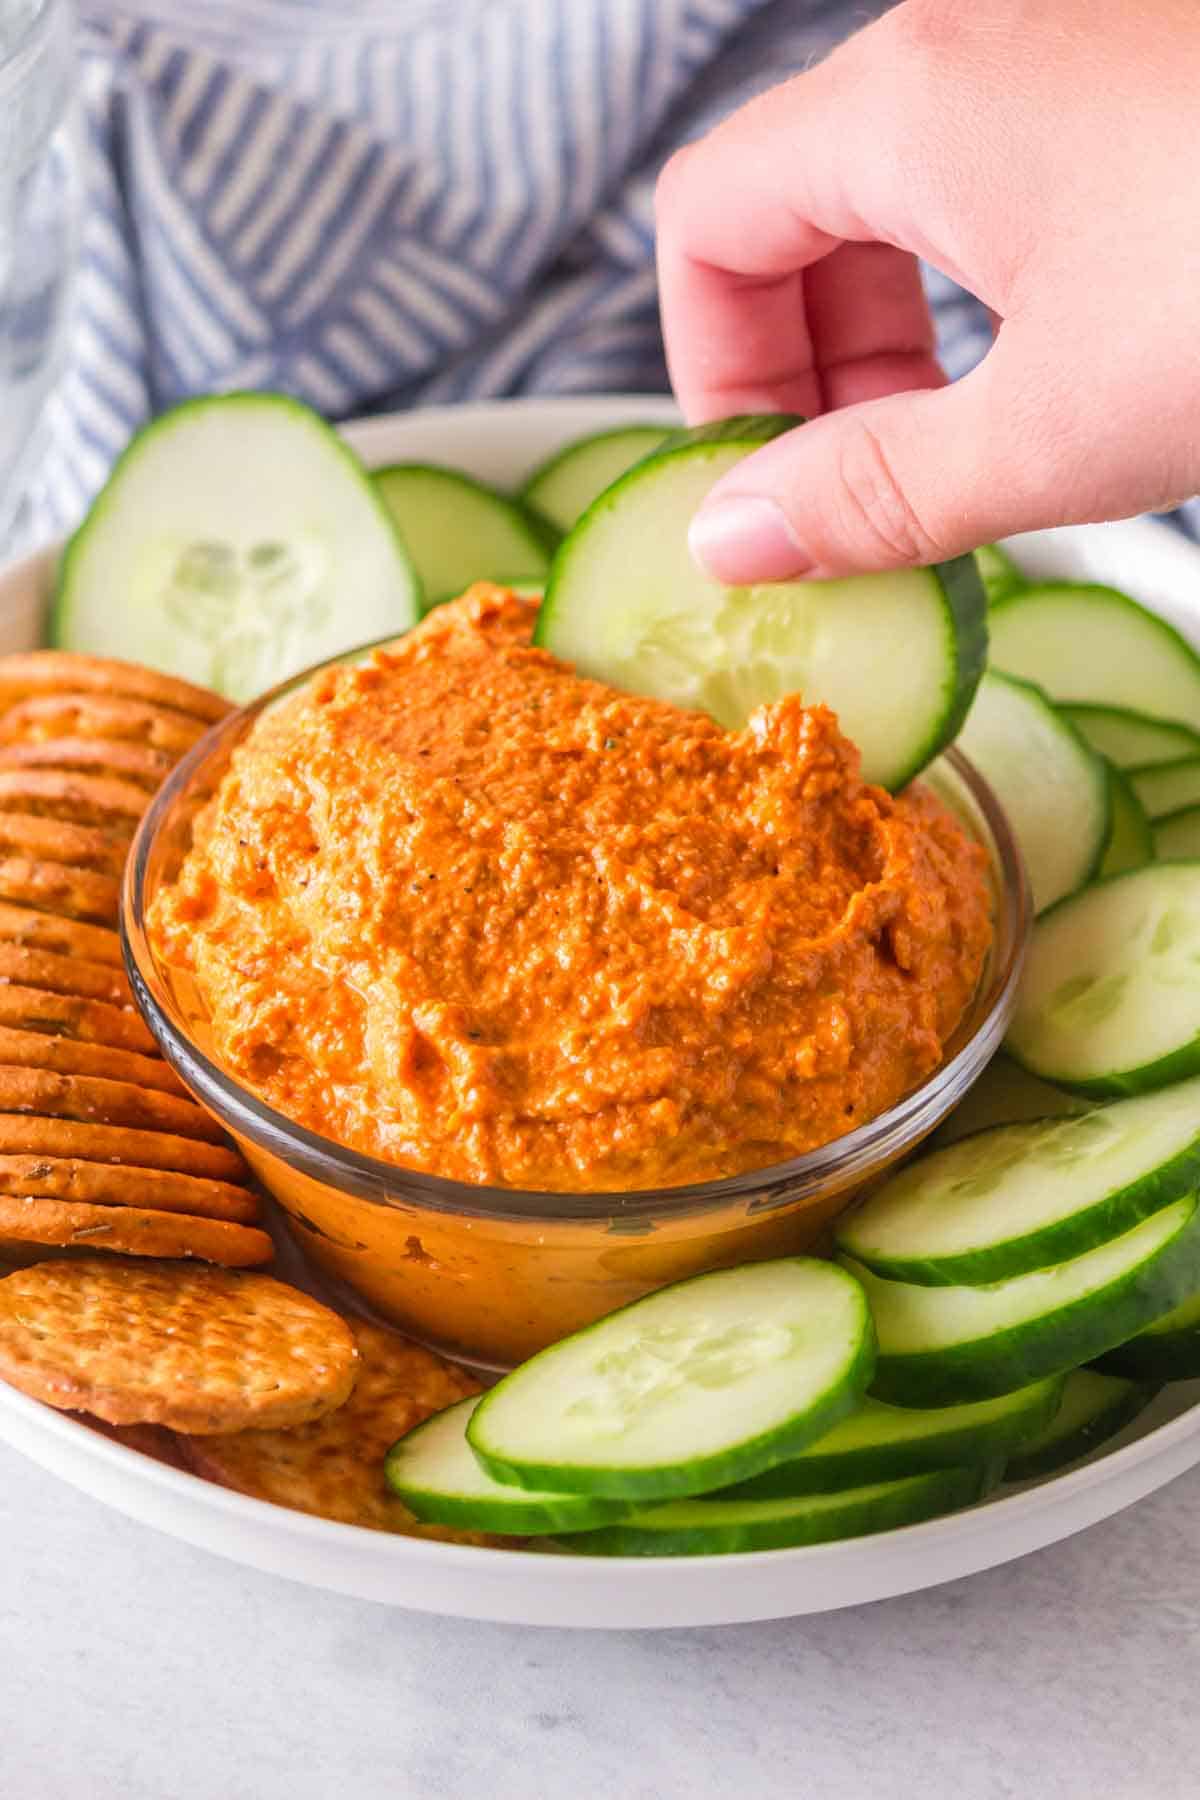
<point x="916" y="1499"/>
<point x="1123" y="796"/>
<point x="58" y="622"/>
<point x="1177" y="1065"/>
<point x="1052" y="1344"/>
<point x="526" y="494"/>
<point x="1067" y="1238"/>
<point x="702" y="1474"/>
<point x="963" y="598"/>
<point x="575" y="1513"/>
<point x="965" y="1447"/>
<point x="1031" y="1465"/>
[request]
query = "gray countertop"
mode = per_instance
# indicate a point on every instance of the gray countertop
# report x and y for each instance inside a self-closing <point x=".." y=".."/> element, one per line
<point x="136" y="1668"/>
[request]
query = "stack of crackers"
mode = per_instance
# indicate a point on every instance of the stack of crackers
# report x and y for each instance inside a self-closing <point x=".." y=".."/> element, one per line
<point x="233" y="1375"/>
<point x="101" y="1147"/>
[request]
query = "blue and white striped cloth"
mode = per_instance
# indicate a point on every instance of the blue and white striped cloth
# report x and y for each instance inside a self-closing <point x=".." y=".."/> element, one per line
<point x="380" y="203"/>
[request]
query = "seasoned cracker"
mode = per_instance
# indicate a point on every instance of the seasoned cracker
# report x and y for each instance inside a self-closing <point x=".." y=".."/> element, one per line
<point x="32" y="1009"/>
<point x="26" y="674"/>
<point x="59" y="888"/>
<point x="65" y="937"/>
<point x="90" y="1097"/>
<point x="92" y="756"/>
<point x="124" y="1184"/>
<point x="334" y="1468"/>
<point x="59" y="974"/>
<point x="26" y="1219"/>
<point x="100" y="716"/>
<point x="23" y="1134"/>
<point x="94" y="800"/>
<point x="36" y="1050"/>
<point x="197" y="1350"/>
<point x="57" y="841"/>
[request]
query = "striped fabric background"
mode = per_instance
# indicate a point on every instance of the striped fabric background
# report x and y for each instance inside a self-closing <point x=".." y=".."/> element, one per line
<point x="376" y="203"/>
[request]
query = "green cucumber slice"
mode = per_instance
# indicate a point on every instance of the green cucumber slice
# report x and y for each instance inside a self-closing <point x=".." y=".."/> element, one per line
<point x="1176" y="837"/>
<point x="441" y="1481"/>
<point x="1024" y="1197"/>
<point x="703" y="1383"/>
<point x="1168" y="1350"/>
<point x="886" y="1443"/>
<point x="563" y="487"/>
<point x="1053" y="788"/>
<point x="1130" y="844"/>
<point x="1094" y="1408"/>
<point x="897" y="656"/>
<point x="1090" y="644"/>
<point x="459" y="531"/>
<point x="1131" y="739"/>
<point x="942" y="1345"/>
<point x="1007" y="1094"/>
<point x="998" y="572"/>
<point x="720" y="1527"/>
<point x="236" y="541"/>
<point x="1109" y="1002"/>
<point x="1167" y="787"/>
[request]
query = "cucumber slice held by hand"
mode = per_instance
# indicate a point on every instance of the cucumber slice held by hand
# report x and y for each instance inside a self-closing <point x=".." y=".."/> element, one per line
<point x="441" y="1481"/>
<point x="1053" y="788"/>
<point x="1094" y="1408"/>
<point x="1094" y="645"/>
<point x="563" y="487"/>
<point x="1131" y="739"/>
<point x="1109" y="1001"/>
<point x="717" y="1526"/>
<point x="236" y="541"/>
<point x="886" y="1443"/>
<point x="942" y="1345"/>
<point x="700" y="1384"/>
<point x="1130" y="842"/>
<point x="1024" y="1197"/>
<point x="458" y="531"/>
<point x="897" y="656"/>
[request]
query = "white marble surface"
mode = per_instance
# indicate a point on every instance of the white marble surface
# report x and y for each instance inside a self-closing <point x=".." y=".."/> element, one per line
<point x="134" y="1668"/>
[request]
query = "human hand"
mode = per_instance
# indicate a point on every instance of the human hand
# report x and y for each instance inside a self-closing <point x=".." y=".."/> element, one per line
<point x="1046" y="157"/>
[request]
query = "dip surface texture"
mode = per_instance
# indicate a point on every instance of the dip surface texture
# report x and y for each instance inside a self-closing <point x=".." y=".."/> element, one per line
<point x="460" y="909"/>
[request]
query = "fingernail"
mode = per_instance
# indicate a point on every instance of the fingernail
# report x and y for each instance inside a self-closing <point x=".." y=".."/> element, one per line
<point x="746" y="538"/>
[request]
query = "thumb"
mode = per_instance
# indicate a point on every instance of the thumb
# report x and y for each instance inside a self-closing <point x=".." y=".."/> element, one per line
<point x="913" y="478"/>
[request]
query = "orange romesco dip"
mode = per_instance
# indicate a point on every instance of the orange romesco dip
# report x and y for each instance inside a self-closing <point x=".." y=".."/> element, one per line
<point x="462" y="910"/>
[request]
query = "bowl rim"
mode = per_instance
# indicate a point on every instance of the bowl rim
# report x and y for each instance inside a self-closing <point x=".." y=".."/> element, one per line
<point x="379" y="1182"/>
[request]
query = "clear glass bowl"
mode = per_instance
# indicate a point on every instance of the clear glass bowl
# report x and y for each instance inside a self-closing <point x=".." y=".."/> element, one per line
<point x="492" y="1274"/>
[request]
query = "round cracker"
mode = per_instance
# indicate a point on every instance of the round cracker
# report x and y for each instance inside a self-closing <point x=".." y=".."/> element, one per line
<point x="58" y="841"/>
<point x="95" y="800"/>
<point x="91" y="1021"/>
<point x="197" y="1350"/>
<point x="334" y="1468"/>
<point x="35" y="1050"/>
<point x="138" y="763"/>
<point x="31" y="1135"/>
<point x="59" y="974"/>
<point x="120" y="1184"/>
<point x="65" y="937"/>
<point x="90" y="1097"/>
<point x="25" y="674"/>
<point x="55" y="887"/>
<point x="130" y="1231"/>
<point x="100" y="716"/>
